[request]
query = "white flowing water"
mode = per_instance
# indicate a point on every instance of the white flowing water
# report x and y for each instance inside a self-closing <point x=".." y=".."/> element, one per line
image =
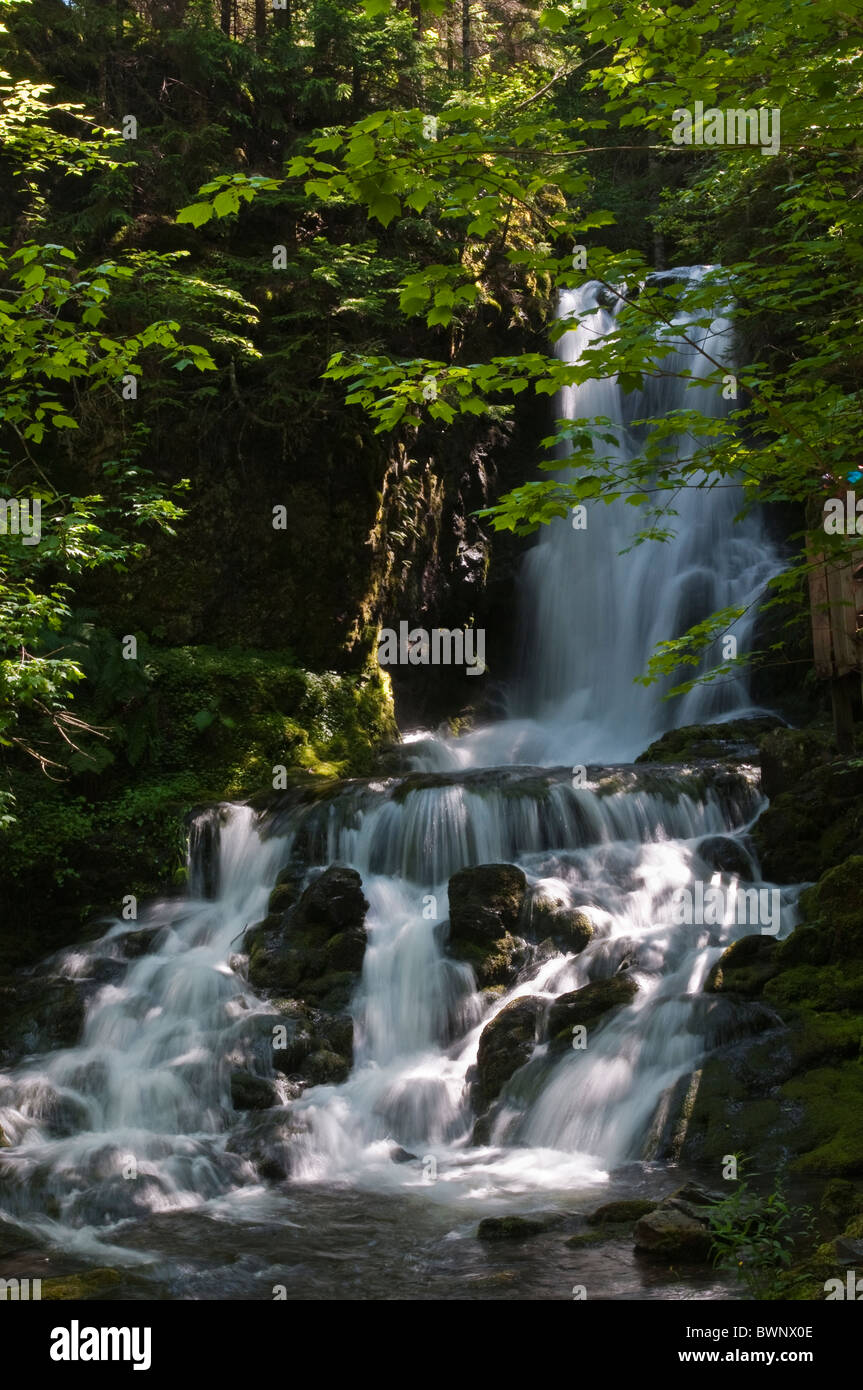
<point x="137" y="1119"/>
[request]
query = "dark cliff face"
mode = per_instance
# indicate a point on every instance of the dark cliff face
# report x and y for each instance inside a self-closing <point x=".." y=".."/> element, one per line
<point x="375" y="530"/>
<point x="459" y="572"/>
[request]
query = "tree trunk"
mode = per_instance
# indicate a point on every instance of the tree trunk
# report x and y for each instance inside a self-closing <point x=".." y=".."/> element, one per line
<point x="225" y="17"/>
<point x="465" y="39"/>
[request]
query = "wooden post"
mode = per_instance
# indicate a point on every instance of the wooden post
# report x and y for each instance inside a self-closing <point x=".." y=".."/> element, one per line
<point x="836" y="602"/>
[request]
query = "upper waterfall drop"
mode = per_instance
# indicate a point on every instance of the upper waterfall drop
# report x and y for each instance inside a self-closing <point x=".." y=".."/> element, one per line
<point x="592" y="607"/>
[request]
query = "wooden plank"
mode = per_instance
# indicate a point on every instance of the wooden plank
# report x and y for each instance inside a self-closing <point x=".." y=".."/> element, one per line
<point x="822" y="639"/>
<point x="843" y="618"/>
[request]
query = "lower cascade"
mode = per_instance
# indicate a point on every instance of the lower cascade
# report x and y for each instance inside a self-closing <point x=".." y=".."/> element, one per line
<point x="468" y="984"/>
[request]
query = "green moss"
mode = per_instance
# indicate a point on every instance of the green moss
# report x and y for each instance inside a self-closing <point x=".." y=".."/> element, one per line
<point x="829" y="988"/>
<point x="95" y="1284"/>
<point x="831" y="1123"/>
<point x="204" y="726"/>
<point x="694" y="742"/>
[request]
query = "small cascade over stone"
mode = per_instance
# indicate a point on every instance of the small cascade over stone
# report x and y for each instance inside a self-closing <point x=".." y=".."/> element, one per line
<point x="409" y="1021"/>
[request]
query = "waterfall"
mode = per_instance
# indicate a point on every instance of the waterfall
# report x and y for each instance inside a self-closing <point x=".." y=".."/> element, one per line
<point x="170" y="1013"/>
<point x="593" y="607"/>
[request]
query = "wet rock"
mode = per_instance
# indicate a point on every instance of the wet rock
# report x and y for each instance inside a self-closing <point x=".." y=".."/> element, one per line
<point x="728" y="1018"/>
<point x="588" y="1006"/>
<point x="726" y="855"/>
<point x="326" y="1068"/>
<point x="95" y="1284"/>
<point x="485" y="902"/>
<point x="514" y="1227"/>
<point x="734" y="742"/>
<point x="840" y="1200"/>
<point x="271" y="1140"/>
<point x="38" y="1015"/>
<point x="627" y="1210"/>
<point x="505" y="1044"/>
<point x="481" y="1133"/>
<point x="400" y="1155"/>
<point x="788" y="755"/>
<point x="495" y="967"/>
<point x="675" y="1230"/>
<point x="335" y="900"/>
<point x="316" y="948"/>
<point x="832" y="911"/>
<point x="309" y="1044"/>
<point x="141" y="942"/>
<point x="745" y="966"/>
<point x="568" y="929"/>
<point x="848" y="1251"/>
<point x="695" y="1194"/>
<point x="805" y="831"/>
<point x="251" y="1092"/>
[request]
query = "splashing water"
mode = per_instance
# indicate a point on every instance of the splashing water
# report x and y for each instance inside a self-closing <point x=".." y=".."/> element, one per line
<point x="170" y="1014"/>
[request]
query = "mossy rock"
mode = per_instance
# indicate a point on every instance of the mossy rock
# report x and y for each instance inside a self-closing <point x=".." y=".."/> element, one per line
<point x="588" y="1006"/>
<point x="95" y="1284"/>
<point x="486" y="902"/>
<point x="316" y="949"/>
<point x="842" y="1202"/>
<point x="251" y="1092"/>
<point x="325" y="1068"/>
<point x="569" y="929"/>
<point x="38" y="1015"/>
<point x="495" y="965"/>
<point x="823" y="988"/>
<point x="726" y="855"/>
<point x="744" y="967"/>
<point x="494" y="1228"/>
<point x="830" y="1134"/>
<point x="733" y="742"/>
<point x="626" y="1210"/>
<point x="834" y="906"/>
<point x="675" y="1230"/>
<point x="505" y="1044"/>
<point x="788" y="755"/>
<point x="804" y="832"/>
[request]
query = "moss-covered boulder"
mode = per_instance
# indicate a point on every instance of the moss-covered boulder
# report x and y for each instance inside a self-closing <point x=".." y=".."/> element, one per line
<point x="813" y="826"/>
<point x="83" y="1288"/>
<point x="569" y="929"/>
<point x="494" y="1228"/>
<point x="272" y="1141"/>
<point x="38" y="1015"/>
<point x="626" y="1210"/>
<point x="486" y="902"/>
<point x="486" y="908"/>
<point x="505" y="1044"/>
<point x="311" y="1046"/>
<point x="833" y="910"/>
<point x="588" y="1006"/>
<point x="727" y="855"/>
<point x="315" y="949"/>
<point x="677" y="1230"/>
<point x="745" y="966"/>
<point x="250" y="1092"/>
<point x="734" y="742"/>
<point x="788" y="755"/>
